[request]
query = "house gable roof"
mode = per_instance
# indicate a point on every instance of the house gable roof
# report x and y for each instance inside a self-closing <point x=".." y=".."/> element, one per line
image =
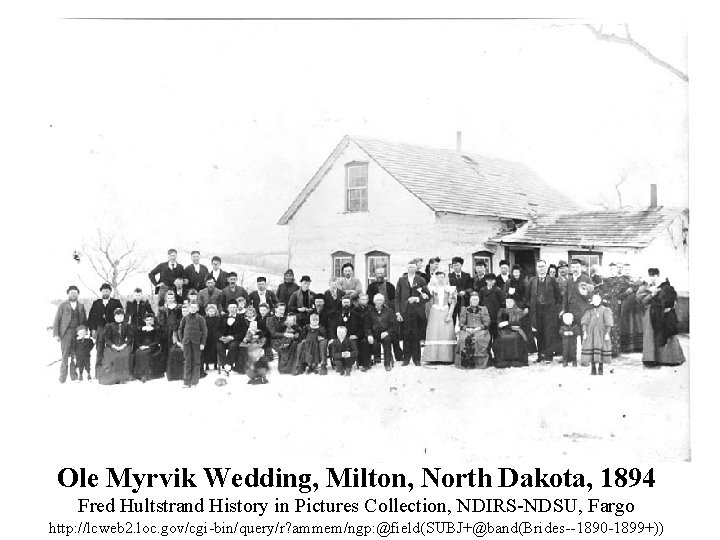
<point x="447" y="181"/>
<point x="633" y="229"/>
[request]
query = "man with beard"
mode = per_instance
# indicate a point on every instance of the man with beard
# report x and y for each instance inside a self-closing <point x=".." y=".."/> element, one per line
<point x="287" y="287"/>
<point x="209" y="295"/>
<point x="233" y="328"/>
<point x="102" y="313"/>
<point x="363" y="310"/>
<point x="350" y="319"/>
<point x="195" y="273"/>
<point x="232" y="292"/>
<point x="544" y="299"/>
<point x="387" y="289"/>
<point x="320" y="310"/>
<point x="578" y="291"/>
<point x="379" y="329"/>
<point x="411" y="294"/>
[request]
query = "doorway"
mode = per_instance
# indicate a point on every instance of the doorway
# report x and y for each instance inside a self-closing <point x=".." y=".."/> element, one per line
<point x="526" y="258"/>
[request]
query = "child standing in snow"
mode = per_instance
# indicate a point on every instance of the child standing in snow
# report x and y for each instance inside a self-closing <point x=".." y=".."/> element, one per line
<point x="84" y="345"/>
<point x="569" y="333"/>
<point x="596" y="346"/>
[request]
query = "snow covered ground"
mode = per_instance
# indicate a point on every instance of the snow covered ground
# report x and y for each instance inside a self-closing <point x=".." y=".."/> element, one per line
<point x="628" y="414"/>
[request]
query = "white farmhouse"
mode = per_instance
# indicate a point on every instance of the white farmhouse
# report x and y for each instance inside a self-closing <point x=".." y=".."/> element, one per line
<point x="379" y="203"/>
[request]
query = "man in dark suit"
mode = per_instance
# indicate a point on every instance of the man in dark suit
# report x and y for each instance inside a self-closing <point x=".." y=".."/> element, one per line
<point x="102" y="313"/>
<point x="195" y="273"/>
<point x="379" y="329"/>
<point x="167" y="271"/>
<point x="136" y="309"/>
<point x="302" y="302"/>
<point x="544" y="299"/>
<point x="262" y="295"/>
<point x="463" y="283"/>
<point x="387" y="289"/>
<point x="192" y="334"/>
<point x="218" y="273"/>
<point x="576" y="301"/>
<point x="70" y="315"/>
<point x="411" y="294"/>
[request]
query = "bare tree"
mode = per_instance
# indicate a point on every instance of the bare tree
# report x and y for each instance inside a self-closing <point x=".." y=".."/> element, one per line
<point x="111" y="259"/>
<point x="628" y="40"/>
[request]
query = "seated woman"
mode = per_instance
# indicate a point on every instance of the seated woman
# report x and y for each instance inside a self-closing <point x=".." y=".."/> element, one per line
<point x="149" y="363"/>
<point x="115" y="366"/>
<point x="312" y="351"/>
<point x="511" y="346"/>
<point x="474" y="336"/>
<point x="288" y="346"/>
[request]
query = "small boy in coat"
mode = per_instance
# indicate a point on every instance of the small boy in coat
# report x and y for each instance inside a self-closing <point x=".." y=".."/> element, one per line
<point x="84" y="344"/>
<point x="192" y="334"/>
<point x="569" y="333"/>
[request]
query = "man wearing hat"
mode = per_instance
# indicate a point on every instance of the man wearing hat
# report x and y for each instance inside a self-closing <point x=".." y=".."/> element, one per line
<point x="287" y="287"/>
<point x="263" y="296"/>
<point x="463" y="283"/>
<point x="302" y="302"/>
<point x="232" y="292"/>
<point x="102" y="313"/>
<point x="70" y="314"/>
<point x="168" y="272"/>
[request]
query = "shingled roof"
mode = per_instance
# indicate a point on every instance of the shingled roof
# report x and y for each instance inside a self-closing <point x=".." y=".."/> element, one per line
<point x="634" y="229"/>
<point x="485" y="186"/>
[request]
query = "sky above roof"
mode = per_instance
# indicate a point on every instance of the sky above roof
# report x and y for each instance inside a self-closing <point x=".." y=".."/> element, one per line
<point x="200" y="134"/>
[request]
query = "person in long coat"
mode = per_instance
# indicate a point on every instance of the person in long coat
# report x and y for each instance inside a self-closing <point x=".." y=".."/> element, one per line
<point x="463" y="283"/>
<point x="70" y="315"/>
<point x="213" y="321"/>
<point x="411" y="294"/>
<point x="493" y="298"/>
<point x="288" y="347"/>
<point x="610" y="291"/>
<point x="232" y="330"/>
<point x="474" y="336"/>
<point x="312" y="350"/>
<point x="511" y="346"/>
<point x="301" y="302"/>
<point x="544" y="299"/>
<point x="660" y="344"/>
<point x="631" y="312"/>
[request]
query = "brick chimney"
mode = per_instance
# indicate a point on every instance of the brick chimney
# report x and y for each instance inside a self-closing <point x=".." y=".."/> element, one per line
<point x="458" y="142"/>
<point x="653" y="196"/>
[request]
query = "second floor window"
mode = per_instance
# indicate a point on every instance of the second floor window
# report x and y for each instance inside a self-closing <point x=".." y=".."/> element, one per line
<point x="356" y="193"/>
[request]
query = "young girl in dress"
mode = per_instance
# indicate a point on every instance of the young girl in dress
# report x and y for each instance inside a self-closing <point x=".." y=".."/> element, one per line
<point x="596" y="345"/>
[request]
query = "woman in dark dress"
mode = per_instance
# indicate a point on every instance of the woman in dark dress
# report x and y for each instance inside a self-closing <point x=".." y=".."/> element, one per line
<point x="511" y="347"/>
<point x="333" y="299"/>
<point x="149" y="362"/>
<point x="115" y="367"/>
<point x="661" y="347"/>
<point x="631" y="312"/>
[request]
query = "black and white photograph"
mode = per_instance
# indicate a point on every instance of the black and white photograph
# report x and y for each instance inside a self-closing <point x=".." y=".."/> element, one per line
<point x="363" y="241"/>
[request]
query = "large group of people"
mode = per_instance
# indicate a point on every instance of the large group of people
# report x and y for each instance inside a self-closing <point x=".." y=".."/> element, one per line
<point x="203" y="319"/>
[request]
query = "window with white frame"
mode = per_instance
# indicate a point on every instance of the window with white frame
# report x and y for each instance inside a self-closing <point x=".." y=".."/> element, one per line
<point x="339" y="258"/>
<point x="588" y="258"/>
<point x="356" y="183"/>
<point x="375" y="260"/>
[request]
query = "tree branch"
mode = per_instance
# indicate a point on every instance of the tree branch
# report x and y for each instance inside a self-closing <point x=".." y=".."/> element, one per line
<point x="627" y="39"/>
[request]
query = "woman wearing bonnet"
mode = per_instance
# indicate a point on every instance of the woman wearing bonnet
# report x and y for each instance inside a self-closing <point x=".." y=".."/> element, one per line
<point x="440" y="337"/>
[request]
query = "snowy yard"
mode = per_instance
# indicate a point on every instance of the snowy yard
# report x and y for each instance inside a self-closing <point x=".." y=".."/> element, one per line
<point x="435" y="412"/>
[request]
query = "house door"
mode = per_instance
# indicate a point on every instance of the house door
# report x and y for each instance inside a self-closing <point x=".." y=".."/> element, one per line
<point x="526" y="258"/>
